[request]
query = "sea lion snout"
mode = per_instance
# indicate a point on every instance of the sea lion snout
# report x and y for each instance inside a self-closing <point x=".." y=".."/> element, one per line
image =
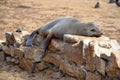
<point x="97" y="34"/>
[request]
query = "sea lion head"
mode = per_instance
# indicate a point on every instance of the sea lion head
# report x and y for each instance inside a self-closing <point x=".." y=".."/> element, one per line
<point x="93" y="30"/>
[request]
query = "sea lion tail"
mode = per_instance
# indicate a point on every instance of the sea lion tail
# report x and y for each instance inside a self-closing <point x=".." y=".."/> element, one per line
<point x="31" y="38"/>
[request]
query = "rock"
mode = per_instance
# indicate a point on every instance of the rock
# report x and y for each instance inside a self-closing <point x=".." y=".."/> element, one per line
<point x="8" y="59"/>
<point x="2" y="56"/>
<point x="100" y="65"/>
<point x="52" y="58"/>
<point x="75" y="38"/>
<point x="67" y="67"/>
<point x="11" y="50"/>
<point x="10" y="39"/>
<point x="26" y="65"/>
<point x="91" y="76"/>
<point x="32" y="53"/>
<point x="72" y="52"/>
<point x="76" y="57"/>
<point x="15" y="60"/>
<point x="19" y="53"/>
<point x="1" y="44"/>
<point x="113" y="67"/>
<point x="6" y="49"/>
<point x="12" y="60"/>
<point x="15" y="38"/>
<point x="53" y="75"/>
<point x="115" y="45"/>
<point x="68" y="78"/>
<point x="41" y="66"/>
<point x="71" y="69"/>
<point x="89" y="55"/>
<point x="26" y="58"/>
<point x="21" y="37"/>
<point x="38" y="41"/>
<point x="98" y="49"/>
<point x="110" y="78"/>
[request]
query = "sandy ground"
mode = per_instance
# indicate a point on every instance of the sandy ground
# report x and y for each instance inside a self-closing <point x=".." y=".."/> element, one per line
<point x="31" y="14"/>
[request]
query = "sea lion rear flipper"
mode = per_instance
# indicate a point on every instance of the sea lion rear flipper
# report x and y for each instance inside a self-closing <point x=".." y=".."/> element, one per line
<point x="46" y="43"/>
<point x="31" y="38"/>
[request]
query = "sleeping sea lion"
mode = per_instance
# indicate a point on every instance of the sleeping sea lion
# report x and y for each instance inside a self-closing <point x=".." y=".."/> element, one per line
<point x="65" y="25"/>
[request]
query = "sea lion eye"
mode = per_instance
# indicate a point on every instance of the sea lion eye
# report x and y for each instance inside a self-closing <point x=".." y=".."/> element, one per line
<point x="93" y="30"/>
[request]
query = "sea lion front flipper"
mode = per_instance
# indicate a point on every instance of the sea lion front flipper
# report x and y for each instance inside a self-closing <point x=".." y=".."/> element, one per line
<point x="46" y="43"/>
<point x="31" y="38"/>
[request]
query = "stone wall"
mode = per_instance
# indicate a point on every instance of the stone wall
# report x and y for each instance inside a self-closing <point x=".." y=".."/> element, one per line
<point x="74" y="58"/>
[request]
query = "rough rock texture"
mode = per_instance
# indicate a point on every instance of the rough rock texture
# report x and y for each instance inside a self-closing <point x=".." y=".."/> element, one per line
<point x="113" y="67"/>
<point x="91" y="76"/>
<point x="76" y="57"/>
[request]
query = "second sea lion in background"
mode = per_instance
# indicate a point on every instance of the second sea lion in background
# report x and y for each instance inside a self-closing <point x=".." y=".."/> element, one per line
<point x="97" y="5"/>
<point x="117" y="3"/>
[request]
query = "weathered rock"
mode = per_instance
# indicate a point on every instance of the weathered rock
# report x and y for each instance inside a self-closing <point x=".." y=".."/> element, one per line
<point x="100" y="65"/>
<point x="66" y="66"/>
<point x="26" y="57"/>
<point x="10" y="39"/>
<point x="78" y="57"/>
<point x="71" y="69"/>
<point x="97" y="50"/>
<point x="21" y="37"/>
<point x="9" y="50"/>
<point x="32" y="53"/>
<point x="38" y="41"/>
<point x="113" y="67"/>
<point x="91" y="76"/>
<point x="8" y="59"/>
<point x="53" y="75"/>
<point x="89" y="51"/>
<point x="12" y="60"/>
<point x="19" y="52"/>
<point x="6" y="49"/>
<point x="68" y="78"/>
<point x="26" y="64"/>
<point x="90" y="60"/>
<point x="2" y="56"/>
<point x="72" y="52"/>
<point x="110" y="78"/>
<point x="75" y="38"/>
<point x="52" y="58"/>
<point x="1" y="44"/>
<point x="15" y="60"/>
<point x="41" y="66"/>
<point x="15" y="38"/>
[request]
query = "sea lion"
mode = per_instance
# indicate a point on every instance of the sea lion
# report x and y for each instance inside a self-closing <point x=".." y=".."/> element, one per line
<point x="97" y="5"/>
<point x="117" y="2"/>
<point x="66" y="25"/>
<point x="111" y="1"/>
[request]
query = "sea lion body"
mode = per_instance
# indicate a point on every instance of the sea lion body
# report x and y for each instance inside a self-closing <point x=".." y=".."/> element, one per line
<point x="66" y="25"/>
<point x="56" y="25"/>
